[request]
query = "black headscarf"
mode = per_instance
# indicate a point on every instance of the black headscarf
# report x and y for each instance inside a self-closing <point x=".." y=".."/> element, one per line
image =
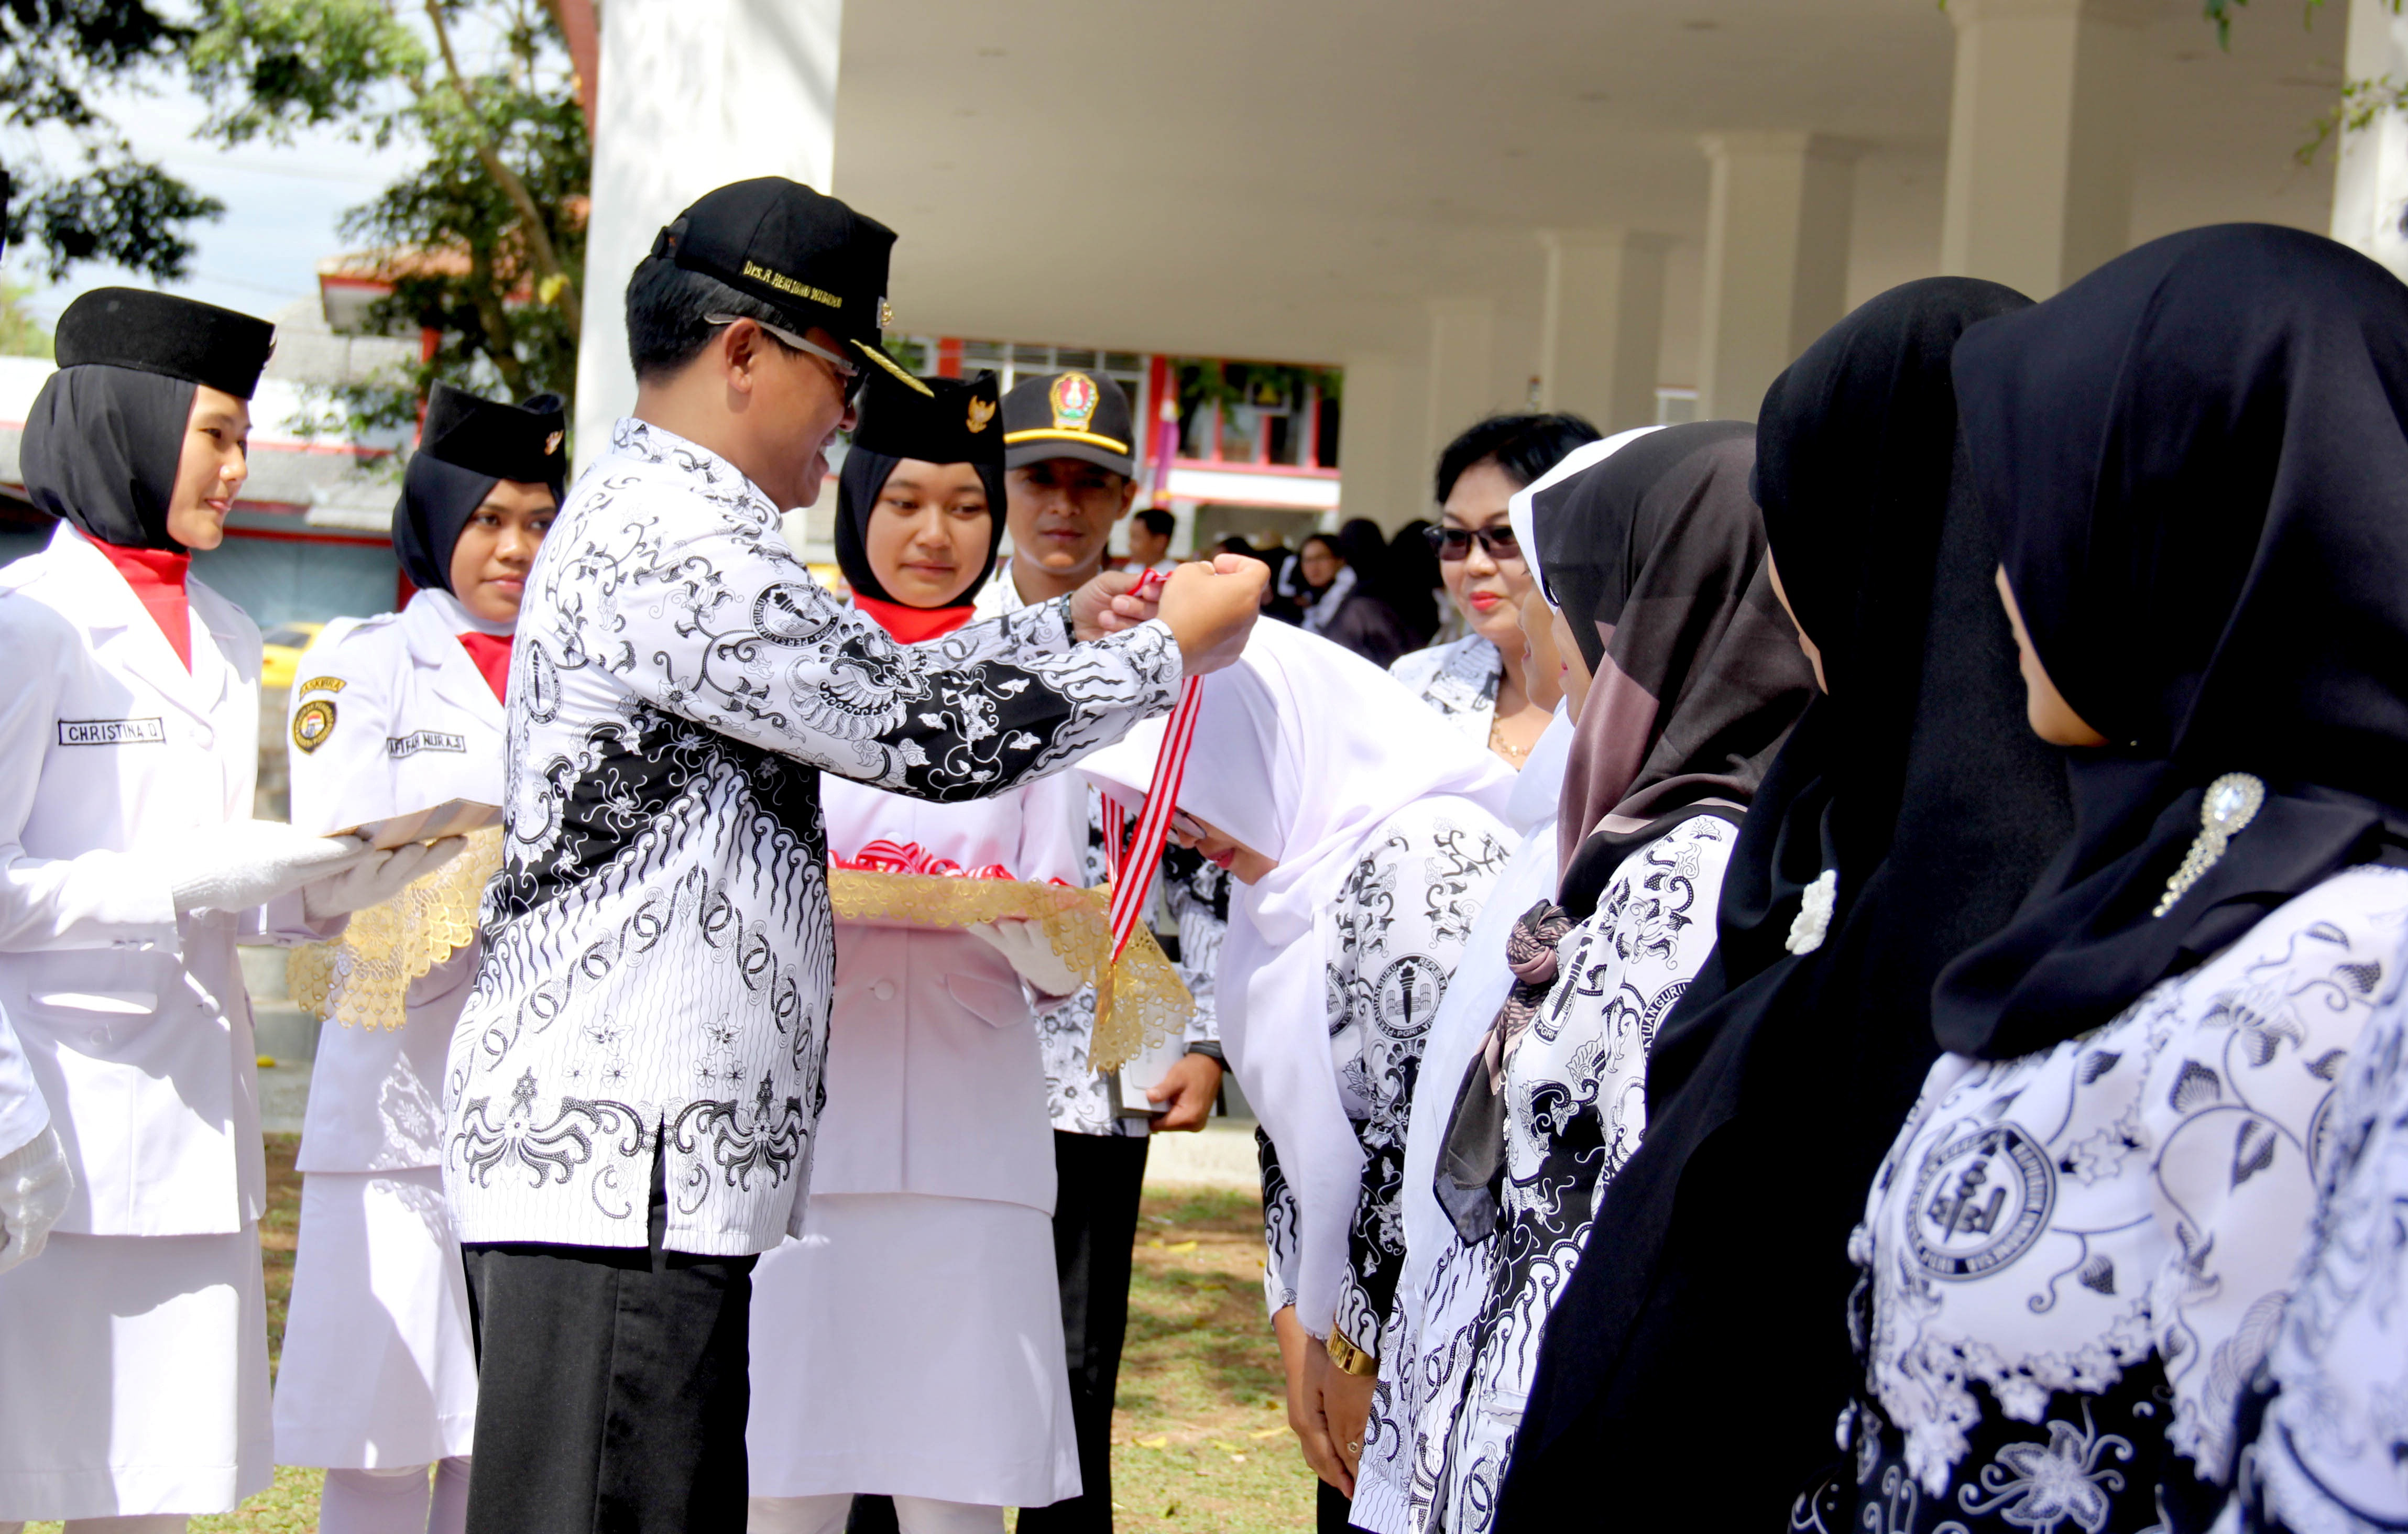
<point x="105" y="436"/>
<point x="467" y="445"/>
<point x="101" y="447"/>
<point x="945" y="421"/>
<point x="1776" y="1084"/>
<point x="2196" y="459"/>
<point x="865" y="474"/>
<point x="1656" y="557"/>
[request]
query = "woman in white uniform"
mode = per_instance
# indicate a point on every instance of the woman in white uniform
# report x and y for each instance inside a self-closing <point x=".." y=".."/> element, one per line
<point x="909" y="1342"/>
<point x="392" y="715"/>
<point x="133" y="1351"/>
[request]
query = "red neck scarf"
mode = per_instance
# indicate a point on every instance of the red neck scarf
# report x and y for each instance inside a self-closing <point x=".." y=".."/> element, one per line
<point x="492" y="654"/>
<point x="911" y="625"/>
<point x="157" y="577"/>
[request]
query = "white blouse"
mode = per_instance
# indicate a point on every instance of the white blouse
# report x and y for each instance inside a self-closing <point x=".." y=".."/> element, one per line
<point x="1459" y="679"/>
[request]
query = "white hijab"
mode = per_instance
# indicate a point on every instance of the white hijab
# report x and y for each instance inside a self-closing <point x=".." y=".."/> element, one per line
<point x="1303" y="752"/>
<point x="1524" y="520"/>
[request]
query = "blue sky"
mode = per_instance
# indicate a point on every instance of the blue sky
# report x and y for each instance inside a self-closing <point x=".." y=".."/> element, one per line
<point x="282" y="208"/>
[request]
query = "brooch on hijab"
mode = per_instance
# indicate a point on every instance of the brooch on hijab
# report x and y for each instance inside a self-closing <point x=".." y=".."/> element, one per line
<point x="1813" y="918"/>
<point x="2232" y="802"/>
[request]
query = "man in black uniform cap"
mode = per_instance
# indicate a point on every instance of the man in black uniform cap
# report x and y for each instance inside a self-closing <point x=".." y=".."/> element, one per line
<point x="634" y="1086"/>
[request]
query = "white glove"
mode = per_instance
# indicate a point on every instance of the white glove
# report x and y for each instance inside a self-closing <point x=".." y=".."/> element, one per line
<point x="1024" y="946"/>
<point x="377" y="878"/>
<point x="248" y="863"/>
<point x="34" y="1185"/>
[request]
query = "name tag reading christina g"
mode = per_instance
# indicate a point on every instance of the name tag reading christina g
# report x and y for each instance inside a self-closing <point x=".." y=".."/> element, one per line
<point x="415" y="741"/>
<point x="112" y="732"/>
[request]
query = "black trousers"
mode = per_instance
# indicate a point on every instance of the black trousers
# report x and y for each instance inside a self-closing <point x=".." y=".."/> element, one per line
<point x="612" y="1387"/>
<point x="1099" y="1179"/>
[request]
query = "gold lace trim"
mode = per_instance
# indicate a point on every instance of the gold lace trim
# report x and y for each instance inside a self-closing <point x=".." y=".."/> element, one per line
<point x="1140" y="1001"/>
<point x="364" y="978"/>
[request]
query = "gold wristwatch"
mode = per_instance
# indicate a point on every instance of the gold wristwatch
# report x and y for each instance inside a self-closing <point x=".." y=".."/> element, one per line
<point x="1350" y="1358"/>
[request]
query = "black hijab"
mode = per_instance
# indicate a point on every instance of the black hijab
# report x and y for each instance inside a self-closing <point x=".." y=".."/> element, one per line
<point x="466" y="446"/>
<point x="105" y="436"/>
<point x="1777" y="1082"/>
<point x="101" y="447"/>
<point x="951" y="423"/>
<point x="2196" y="459"/>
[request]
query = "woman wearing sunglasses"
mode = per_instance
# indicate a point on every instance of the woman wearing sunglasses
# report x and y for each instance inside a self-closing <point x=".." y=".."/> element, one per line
<point x="1481" y="681"/>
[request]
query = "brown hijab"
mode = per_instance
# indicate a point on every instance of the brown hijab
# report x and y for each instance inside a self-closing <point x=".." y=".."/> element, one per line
<point x="1656" y="559"/>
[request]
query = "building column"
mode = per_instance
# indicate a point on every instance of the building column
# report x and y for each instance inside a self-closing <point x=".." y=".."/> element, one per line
<point x="2370" y="210"/>
<point x="694" y="94"/>
<point x="1383" y="420"/>
<point x="1776" y="275"/>
<point x="1462" y="389"/>
<point x="1603" y="324"/>
<point x="2040" y="139"/>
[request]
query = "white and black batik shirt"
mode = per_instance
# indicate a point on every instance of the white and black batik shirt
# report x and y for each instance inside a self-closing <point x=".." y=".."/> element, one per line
<point x="2075" y="1261"/>
<point x="1458" y="678"/>
<point x="658" y="946"/>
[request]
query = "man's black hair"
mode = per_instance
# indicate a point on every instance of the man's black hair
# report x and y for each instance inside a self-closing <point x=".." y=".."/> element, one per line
<point x="665" y="305"/>
<point x="1155" y="520"/>
<point x="1523" y="445"/>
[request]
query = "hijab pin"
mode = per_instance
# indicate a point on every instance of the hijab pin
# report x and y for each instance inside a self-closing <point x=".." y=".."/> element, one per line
<point x="2232" y="803"/>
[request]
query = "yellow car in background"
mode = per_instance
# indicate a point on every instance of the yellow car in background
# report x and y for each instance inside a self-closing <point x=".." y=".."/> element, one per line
<point x="280" y="654"/>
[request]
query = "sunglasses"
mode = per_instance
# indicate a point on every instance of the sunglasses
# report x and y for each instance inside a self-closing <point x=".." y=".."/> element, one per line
<point x="1454" y="543"/>
<point x="1186" y="827"/>
<point x="849" y="376"/>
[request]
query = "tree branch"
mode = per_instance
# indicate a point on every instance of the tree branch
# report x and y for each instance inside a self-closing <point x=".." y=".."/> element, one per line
<point x="539" y="239"/>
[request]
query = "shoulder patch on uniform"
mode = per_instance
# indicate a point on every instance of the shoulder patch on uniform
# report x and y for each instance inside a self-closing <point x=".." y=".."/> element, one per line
<point x="321" y="685"/>
<point x="313" y="723"/>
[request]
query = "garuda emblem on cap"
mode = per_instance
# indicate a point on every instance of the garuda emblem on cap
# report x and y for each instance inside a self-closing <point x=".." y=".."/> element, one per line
<point x="981" y="411"/>
<point x="551" y="443"/>
<point x="1074" y="397"/>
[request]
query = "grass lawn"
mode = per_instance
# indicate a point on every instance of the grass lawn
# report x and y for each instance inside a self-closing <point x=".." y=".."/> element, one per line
<point x="1200" y="1441"/>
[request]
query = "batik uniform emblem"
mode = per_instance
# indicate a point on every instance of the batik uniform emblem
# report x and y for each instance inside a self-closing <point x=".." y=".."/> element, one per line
<point x="981" y="411"/>
<point x="1981" y="1200"/>
<point x="1074" y="397"/>
<point x="313" y="723"/>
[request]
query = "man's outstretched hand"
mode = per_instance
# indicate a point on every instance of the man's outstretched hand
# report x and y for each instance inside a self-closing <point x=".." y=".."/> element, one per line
<point x="1210" y="607"/>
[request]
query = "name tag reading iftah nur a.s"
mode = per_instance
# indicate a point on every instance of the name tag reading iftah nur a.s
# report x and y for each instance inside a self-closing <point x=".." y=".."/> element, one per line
<point x="112" y="732"/>
<point x="418" y="740"/>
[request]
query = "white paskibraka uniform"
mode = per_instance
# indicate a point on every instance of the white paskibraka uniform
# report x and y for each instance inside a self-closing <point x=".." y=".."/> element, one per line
<point x="133" y="1349"/>
<point x="378" y="1367"/>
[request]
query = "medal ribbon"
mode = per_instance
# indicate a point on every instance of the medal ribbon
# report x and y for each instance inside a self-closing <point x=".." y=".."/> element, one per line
<point x="1131" y="870"/>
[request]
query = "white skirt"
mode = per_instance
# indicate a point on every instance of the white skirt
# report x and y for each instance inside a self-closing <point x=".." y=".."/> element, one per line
<point x="379" y="1369"/>
<point x="133" y="1378"/>
<point x="913" y="1345"/>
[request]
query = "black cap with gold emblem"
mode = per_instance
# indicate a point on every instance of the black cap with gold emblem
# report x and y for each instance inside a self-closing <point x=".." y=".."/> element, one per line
<point x="527" y="441"/>
<point x="950" y="420"/>
<point x="466" y="444"/>
<point x="808" y="256"/>
<point x="1069" y="415"/>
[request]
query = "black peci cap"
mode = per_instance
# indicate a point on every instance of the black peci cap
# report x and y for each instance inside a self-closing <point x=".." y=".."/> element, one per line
<point x="159" y="333"/>
<point x="808" y="256"/>
<point x="1069" y="415"/>
<point x="948" y="420"/>
<point x="525" y="443"/>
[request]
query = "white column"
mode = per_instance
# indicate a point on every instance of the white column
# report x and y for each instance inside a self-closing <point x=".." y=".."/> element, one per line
<point x="2039" y="138"/>
<point x="2369" y="210"/>
<point x="1462" y="388"/>
<point x="1380" y="430"/>
<point x="1603" y="324"/>
<point x="694" y="94"/>
<point x="1777" y="218"/>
